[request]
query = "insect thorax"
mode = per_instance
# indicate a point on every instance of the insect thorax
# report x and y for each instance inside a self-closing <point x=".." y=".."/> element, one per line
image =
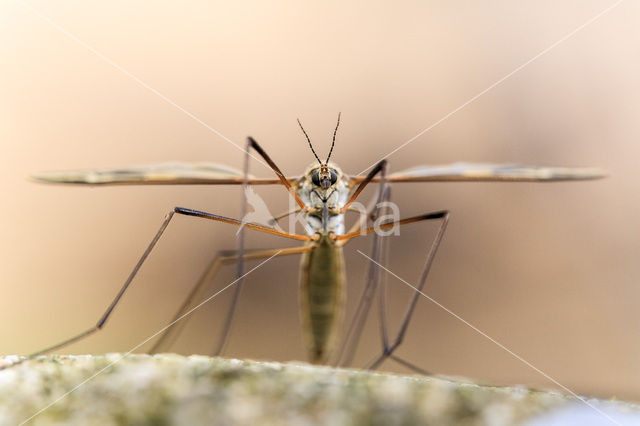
<point x="316" y="198"/>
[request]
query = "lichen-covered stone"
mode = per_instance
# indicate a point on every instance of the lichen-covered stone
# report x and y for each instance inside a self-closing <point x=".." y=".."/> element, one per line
<point x="176" y="390"/>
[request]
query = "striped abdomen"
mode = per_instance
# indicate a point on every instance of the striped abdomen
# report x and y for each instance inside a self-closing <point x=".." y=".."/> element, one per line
<point x="322" y="280"/>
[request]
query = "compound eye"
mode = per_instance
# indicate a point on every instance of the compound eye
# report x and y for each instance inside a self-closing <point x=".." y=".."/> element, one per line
<point x="334" y="177"/>
<point x="315" y="178"/>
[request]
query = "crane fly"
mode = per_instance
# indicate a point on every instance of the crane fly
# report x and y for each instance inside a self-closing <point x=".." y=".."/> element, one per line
<point x="323" y="194"/>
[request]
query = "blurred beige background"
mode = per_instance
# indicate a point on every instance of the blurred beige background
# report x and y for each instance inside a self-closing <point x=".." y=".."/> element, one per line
<point x="549" y="270"/>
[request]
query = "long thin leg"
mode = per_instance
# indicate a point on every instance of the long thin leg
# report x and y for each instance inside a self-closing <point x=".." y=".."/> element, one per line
<point x="254" y="226"/>
<point x="382" y="294"/>
<point x="253" y="144"/>
<point x="354" y="332"/>
<point x="344" y="238"/>
<point x="105" y="316"/>
<point x="381" y="166"/>
<point x="410" y="365"/>
<point x="274" y="220"/>
<point x="352" y="337"/>
<point x="103" y="319"/>
<point x="370" y="214"/>
<point x="169" y="336"/>
<point x="389" y="348"/>
<point x="226" y="328"/>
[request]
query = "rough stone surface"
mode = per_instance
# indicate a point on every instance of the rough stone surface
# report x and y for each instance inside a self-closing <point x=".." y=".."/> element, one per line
<point x="176" y="390"/>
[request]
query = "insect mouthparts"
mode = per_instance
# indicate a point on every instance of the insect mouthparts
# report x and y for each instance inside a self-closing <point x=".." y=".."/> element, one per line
<point x="325" y="177"/>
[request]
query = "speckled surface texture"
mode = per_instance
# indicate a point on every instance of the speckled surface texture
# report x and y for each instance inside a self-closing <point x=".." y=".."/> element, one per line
<point x="177" y="390"/>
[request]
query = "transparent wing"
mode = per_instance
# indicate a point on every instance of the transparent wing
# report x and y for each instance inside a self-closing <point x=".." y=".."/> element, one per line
<point x="492" y="173"/>
<point x="157" y="174"/>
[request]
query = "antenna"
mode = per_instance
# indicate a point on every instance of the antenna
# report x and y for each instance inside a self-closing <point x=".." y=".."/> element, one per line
<point x="333" y="142"/>
<point x="309" y="140"/>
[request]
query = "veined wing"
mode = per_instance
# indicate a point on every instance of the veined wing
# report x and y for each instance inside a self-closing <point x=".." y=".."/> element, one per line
<point x="492" y="173"/>
<point x="157" y="174"/>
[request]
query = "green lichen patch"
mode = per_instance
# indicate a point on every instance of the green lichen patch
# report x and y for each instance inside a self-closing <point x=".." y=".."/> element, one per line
<point x="175" y="390"/>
